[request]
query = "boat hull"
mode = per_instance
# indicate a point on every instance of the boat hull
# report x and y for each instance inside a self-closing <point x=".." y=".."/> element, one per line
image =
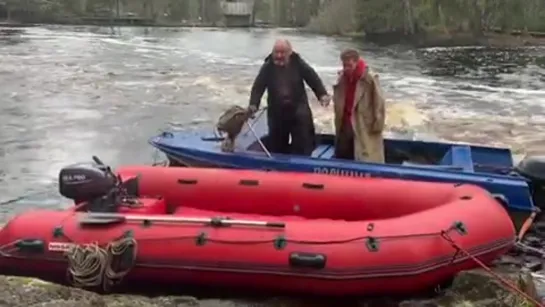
<point x="488" y="167"/>
<point x="514" y="189"/>
<point x="310" y="234"/>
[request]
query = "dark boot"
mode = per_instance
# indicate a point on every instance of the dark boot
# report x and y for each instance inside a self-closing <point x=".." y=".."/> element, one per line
<point x="344" y="146"/>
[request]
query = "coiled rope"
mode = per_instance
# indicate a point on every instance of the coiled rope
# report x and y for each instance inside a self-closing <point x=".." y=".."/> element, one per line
<point x="92" y="266"/>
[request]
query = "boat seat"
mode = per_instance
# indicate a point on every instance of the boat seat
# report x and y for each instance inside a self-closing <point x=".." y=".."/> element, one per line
<point x="459" y="156"/>
<point x="323" y="151"/>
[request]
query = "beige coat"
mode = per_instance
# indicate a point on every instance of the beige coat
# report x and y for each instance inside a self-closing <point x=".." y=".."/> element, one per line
<point x="368" y="117"/>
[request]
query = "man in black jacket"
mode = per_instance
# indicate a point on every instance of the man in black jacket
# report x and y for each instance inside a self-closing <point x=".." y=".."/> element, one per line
<point x="283" y="75"/>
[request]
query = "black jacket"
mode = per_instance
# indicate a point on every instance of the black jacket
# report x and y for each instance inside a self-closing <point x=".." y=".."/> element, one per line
<point x="301" y="72"/>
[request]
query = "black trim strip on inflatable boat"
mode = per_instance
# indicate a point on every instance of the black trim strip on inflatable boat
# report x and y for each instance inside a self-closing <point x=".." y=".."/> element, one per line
<point x="326" y="273"/>
<point x="336" y="274"/>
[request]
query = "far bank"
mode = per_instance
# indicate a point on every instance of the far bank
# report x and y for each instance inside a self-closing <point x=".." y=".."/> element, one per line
<point x="441" y="39"/>
<point x="497" y="39"/>
<point x="421" y="40"/>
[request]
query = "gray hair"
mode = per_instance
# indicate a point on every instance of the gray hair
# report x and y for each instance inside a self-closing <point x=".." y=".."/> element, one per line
<point x="284" y="43"/>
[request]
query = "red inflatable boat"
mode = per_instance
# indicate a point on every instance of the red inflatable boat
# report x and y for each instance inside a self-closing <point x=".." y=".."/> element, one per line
<point x="289" y="232"/>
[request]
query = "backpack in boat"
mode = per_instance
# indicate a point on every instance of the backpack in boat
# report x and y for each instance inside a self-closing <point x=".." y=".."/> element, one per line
<point x="231" y="122"/>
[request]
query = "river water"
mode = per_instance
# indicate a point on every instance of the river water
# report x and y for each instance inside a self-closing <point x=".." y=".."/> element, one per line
<point x="67" y="93"/>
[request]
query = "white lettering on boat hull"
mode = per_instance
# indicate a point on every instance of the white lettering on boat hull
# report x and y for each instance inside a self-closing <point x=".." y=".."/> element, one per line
<point x="339" y="172"/>
<point x="59" y="246"/>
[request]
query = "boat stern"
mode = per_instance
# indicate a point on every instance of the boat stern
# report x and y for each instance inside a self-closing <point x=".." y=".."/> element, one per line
<point x="186" y="148"/>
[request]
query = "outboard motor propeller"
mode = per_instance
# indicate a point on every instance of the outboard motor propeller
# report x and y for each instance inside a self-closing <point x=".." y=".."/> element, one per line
<point x="92" y="183"/>
<point x="533" y="169"/>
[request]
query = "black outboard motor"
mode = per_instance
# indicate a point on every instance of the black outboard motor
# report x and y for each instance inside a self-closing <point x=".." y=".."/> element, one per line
<point x="533" y="169"/>
<point x="85" y="181"/>
<point x="93" y="183"/>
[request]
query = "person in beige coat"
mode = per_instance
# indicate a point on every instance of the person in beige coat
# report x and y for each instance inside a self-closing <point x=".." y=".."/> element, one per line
<point x="359" y="111"/>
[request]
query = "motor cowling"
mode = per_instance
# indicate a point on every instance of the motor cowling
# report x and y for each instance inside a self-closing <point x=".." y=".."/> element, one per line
<point x="533" y="169"/>
<point x="86" y="181"/>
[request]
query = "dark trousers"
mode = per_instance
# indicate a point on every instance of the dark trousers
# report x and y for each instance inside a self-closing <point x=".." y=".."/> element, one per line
<point x="344" y="146"/>
<point x="301" y="129"/>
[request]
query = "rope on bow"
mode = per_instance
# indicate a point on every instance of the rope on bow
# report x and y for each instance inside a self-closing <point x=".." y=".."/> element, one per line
<point x="509" y="285"/>
<point x="92" y="266"/>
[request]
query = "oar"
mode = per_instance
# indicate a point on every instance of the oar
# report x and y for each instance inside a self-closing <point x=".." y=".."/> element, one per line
<point x="115" y="218"/>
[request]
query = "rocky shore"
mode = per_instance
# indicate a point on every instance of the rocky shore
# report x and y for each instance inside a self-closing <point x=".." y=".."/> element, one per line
<point x="475" y="288"/>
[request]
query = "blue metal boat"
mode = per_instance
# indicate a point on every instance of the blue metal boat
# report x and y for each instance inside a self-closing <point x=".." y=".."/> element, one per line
<point x="491" y="168"/>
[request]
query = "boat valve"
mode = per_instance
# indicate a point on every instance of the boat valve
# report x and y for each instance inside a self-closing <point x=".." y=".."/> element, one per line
<point x="372" y="244"/>
<point x="460" y="227"/>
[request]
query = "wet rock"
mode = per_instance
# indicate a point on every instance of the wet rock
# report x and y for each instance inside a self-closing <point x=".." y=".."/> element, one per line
<point x="18" y="291"/>
<point x="480" y="288"/>
<point x="470" y="289"/>
<point x="527" y="250"/>
<point x="425" y="303"/>
<point x="516" y="251"/>
<point x="508" y="260"/>
<point x="533" y="265"/>
<point x="533" y="241"/>
<point x="539" y="228"/>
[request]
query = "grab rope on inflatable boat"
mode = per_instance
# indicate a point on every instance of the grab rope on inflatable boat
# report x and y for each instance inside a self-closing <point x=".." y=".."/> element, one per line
<point x="92" y="266"/>
<point x="509" y="285"/>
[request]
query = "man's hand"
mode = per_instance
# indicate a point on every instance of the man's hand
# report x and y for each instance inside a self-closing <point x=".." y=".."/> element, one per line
<point x="251" y="109"/>
<point x="325" y="100"/>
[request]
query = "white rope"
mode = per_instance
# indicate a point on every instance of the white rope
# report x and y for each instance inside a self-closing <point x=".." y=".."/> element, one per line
<point x="86" y="265"/>
<point x="92" y="266"/>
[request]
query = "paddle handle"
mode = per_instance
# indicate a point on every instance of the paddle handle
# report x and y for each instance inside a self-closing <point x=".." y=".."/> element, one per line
<point x="181" y="219"/>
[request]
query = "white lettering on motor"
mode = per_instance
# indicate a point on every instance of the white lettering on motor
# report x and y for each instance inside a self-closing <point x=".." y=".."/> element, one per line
<point x="75" y="177"/>
<point x="340" y="172"/>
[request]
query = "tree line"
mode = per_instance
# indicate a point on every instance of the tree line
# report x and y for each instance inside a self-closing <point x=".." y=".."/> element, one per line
<point x="161" y="10"/>
<point x="277" y="12"/>
<point x="417" y="16"/>
<point x="325" y="16"/>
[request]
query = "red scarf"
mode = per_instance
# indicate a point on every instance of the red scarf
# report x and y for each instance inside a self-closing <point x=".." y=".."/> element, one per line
<point x="351" y="80"/>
